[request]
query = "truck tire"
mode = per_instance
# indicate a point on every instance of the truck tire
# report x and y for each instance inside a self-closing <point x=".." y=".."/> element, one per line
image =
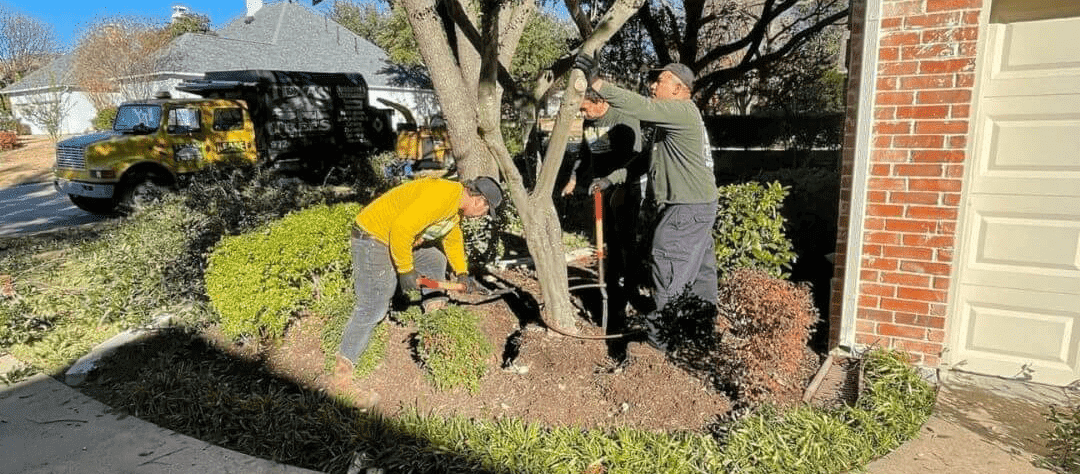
<point x="140" y="190"/>
<point x="100" y="206"/>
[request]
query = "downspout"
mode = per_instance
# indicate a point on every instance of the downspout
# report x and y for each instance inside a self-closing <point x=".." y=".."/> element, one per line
<point x="864" y="128"/>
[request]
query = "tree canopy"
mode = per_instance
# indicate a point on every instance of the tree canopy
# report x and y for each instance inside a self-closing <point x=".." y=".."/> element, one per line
<point x="25" y="45"/>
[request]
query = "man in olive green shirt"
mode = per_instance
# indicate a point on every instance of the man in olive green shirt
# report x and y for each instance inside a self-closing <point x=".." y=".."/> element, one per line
<point x="681" y="175"/>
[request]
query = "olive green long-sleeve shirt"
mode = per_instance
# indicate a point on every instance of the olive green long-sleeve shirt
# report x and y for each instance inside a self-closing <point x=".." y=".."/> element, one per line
<point x="681" y="165"/>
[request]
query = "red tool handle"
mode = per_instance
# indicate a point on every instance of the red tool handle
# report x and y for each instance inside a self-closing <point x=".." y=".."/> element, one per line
<point x="598" y="211"/>
<point x="439" y="285"/>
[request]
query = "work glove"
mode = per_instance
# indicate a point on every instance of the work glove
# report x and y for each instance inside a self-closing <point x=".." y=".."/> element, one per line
<point x="589" y="66"/>
<point x="407" y="281"/>
<point x="471" y="285"/>
<point x="599" y="185"/>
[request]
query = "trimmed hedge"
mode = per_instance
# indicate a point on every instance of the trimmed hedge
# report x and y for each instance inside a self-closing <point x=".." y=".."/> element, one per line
<point x="749" y="229"/>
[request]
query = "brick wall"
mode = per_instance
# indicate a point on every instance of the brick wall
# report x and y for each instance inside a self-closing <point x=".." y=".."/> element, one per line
<point x="921" y="112"/>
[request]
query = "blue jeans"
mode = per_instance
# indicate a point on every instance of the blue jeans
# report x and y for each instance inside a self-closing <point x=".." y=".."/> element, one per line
<point x="374" y="281"/>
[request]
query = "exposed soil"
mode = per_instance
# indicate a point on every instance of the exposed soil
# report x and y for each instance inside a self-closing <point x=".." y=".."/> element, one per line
<point x="31" y="161"/>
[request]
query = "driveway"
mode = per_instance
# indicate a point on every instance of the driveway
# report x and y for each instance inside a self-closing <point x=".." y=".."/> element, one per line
<point x="36" y="207"/>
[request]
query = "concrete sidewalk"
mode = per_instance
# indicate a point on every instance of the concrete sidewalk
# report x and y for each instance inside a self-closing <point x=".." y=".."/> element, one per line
<point x="48" y="427"/>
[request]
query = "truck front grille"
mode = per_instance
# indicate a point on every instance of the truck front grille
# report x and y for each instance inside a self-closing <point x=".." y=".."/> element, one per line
<point x="70" y="157"/>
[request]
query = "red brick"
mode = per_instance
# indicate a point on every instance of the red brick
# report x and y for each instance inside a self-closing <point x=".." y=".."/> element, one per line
<point x="927" y="268"/>
<point x="877" y="196"/>
<point x="919" y="347"/>
<point x="921" y="320"/>
<point x="960" y="111"/>
<point x="883" y="141"/>
<point x="937" y="156"/>
<point x="895" y="98"/>
<point x="954" y="171"/>
<point x="971" y="18"/>
<point x="874" y="223"/>
<point x="911" y="226"/>
<point x="889" y="54"/>
<point x="931" y="212"/>
<point x="875" y="263"/>
<point x="941" y="126"/>
<point x="949" y="96"/>
<point x="944" y="255"/>
<point x="864" y="326"/>
<point x="949" y="5"/>
<point x="959" y="141"/>
<point x="887" y="184"/>
<point x="941" y="283"/>
<point x="950" y="199"/>
<point x="866" y="275"/>
<point x="919" y="294"/>
<point x="886" y="83"/>
<point x="901" y="9"/>
<point x="907" y="332"/>
<point x="945" y="66"/>
<point x="918" y="170"/>
<point x="899" y="39"/>
<point x="938" y="241"/>
<point x="931" y="184"/>
<point x="890" y="156"/>
<point x="906" y="306"/>
<point x="898" y="68"/>
<point x="913" y="198"/>
<point x="884" y="210"/>
<point x="878" y="290"/>
<point x="909" y="253"/>
<point x="918" y="141"/>
<point x="885" y="113"/>
<point x="892" y="127"/>
<point x="921" y="281"/>
<point x="950" y="35"/>
<point x="887" y="238"/>
<point x="889" y="23"/>
<point x="940" y="81"/>
<point x="880" y="170"/>
<point x="938" y="309"/>
<point x="928" y="51"/>
<point x="922" y="112"/>
<point x="965" y="80"/>
<point x="867" y="301"/>
<point x="936" y="335"/>
<point x="935" y="20"/>
<point x="868" y="339"/>
<point x="871" y="250"/>
<point x="968" y="49"/>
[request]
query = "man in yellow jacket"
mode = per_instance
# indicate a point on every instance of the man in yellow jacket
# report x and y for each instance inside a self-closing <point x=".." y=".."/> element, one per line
<point x="393" y="244"/>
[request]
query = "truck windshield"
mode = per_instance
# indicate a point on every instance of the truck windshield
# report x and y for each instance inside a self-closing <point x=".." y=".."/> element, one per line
<point x="137" y="118"/>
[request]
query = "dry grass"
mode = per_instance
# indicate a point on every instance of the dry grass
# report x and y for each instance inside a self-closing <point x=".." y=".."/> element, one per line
<point x="30" y="162"/>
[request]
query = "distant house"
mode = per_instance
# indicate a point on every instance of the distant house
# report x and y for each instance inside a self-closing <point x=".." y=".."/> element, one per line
<point x="278" y="36"/>
<point x="959" y="236"/>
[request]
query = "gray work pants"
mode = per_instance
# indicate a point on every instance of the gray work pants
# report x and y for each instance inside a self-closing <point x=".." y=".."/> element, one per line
<point x="683" y="255"/>
<point x="374" y="281"/>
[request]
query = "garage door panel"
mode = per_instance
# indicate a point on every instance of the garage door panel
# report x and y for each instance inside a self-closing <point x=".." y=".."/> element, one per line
<point x="1017" y="298"/>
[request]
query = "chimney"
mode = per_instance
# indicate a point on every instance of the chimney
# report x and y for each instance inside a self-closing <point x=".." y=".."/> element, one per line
<point x="252" y="7"/>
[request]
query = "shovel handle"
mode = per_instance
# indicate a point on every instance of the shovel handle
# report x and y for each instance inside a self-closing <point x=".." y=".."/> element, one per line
<point x="598" y="211"/>
<point x="439" y="285"/>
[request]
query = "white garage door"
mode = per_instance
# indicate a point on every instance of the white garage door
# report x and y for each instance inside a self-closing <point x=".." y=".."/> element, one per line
<point x="1017" y="311"/>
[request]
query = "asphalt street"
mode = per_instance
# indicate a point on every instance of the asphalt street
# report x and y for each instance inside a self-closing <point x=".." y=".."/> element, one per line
<point x="33" y="208"/>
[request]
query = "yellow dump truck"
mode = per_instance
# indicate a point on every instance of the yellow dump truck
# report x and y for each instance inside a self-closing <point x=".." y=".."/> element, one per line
<point x="297" y="121"/>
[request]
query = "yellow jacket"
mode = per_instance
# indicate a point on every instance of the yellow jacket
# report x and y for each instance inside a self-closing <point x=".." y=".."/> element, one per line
<point x="421" y="210"/>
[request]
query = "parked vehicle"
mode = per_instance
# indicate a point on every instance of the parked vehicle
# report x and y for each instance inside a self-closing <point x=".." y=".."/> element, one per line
<point x="298" y="122"/>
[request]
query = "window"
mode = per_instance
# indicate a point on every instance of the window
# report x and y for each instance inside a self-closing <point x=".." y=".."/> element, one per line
<point x="228" y="119"/>
<point x="183" y="120"/>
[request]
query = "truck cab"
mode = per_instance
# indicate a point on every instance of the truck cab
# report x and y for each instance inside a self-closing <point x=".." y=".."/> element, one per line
<point x="150" y="144"/>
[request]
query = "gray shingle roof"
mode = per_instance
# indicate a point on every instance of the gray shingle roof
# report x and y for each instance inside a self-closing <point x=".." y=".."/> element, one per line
<point x="282" y="36"/>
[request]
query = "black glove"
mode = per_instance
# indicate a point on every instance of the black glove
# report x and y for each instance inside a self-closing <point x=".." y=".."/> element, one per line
<point x="407" y="281"/>
<point x="598" y="185"/>
<point x="587" y="65"/>
<point x="471" y="285"/>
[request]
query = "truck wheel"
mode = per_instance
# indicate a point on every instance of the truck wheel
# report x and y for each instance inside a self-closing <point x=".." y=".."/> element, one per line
<point x="141" y="190"/>
<point x="100" y="206"/>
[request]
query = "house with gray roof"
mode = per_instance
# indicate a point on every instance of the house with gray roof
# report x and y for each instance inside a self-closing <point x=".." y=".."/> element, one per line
<point x="276" y="36"/>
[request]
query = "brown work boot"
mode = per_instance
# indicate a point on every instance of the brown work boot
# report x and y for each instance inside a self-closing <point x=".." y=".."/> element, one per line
<point x="430" y="306"/>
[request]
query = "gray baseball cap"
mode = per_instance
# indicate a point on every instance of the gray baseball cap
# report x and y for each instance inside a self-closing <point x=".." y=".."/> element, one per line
<point x="681" y="71"/>
<point x="491" y="191"/>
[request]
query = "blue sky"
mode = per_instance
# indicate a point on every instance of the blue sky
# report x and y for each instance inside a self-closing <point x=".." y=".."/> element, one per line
<point x="69" y="17"/>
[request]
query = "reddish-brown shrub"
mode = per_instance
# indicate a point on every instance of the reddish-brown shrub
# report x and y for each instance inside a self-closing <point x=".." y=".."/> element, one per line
<point x="768" y="323"/>
<point x="8" y="140"/>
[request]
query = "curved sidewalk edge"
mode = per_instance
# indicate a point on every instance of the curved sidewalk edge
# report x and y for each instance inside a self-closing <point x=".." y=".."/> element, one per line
<point x="46" y="426"/>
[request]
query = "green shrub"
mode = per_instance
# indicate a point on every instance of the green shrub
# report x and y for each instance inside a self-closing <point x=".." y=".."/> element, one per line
<point x="749" y="230"/>
<point x="1063" y="440"/>
<point x="454" y="351"/>
<point x="104" y="119"/>
<point x="256" y="281"/>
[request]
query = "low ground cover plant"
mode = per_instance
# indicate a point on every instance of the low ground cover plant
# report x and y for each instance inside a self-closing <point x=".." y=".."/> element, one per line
<point x="1063" y="440"/>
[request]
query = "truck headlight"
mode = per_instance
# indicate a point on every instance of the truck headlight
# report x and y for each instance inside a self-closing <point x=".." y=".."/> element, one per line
<point x="103" y="174"/>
